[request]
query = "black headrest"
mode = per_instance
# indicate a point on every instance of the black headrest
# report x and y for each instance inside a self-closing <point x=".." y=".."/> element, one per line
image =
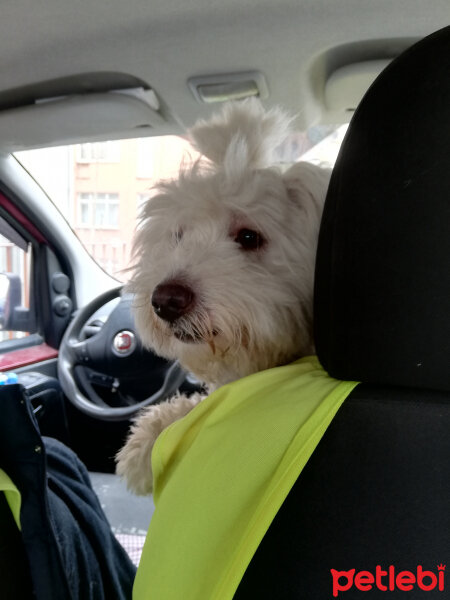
<point x="382" y="296"/>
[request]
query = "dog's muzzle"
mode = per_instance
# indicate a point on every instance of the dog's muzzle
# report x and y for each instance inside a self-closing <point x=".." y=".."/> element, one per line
<point x="172" y="300"/>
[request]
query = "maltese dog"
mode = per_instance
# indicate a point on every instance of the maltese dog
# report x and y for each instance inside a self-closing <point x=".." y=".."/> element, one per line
<point x="224" y="271"/>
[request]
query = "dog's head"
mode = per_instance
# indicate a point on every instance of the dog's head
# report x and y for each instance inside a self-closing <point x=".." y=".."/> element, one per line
<point x="225" y="254"/>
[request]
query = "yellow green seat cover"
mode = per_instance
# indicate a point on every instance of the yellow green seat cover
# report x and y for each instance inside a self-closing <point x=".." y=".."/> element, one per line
<point x="221" y="474"/>
<point x="12" y="495"/>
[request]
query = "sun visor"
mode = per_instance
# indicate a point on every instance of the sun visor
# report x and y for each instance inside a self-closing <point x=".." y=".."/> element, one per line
<point x="346" y="86"/>
<point x="341" y="75"/>
<point x="79" y="117"/>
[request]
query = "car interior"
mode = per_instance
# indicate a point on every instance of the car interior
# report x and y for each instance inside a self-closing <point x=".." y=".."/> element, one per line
<point x="376" y="489"/>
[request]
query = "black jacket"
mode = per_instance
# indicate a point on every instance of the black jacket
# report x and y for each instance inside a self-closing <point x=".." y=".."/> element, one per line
<point x="71" y="553"/>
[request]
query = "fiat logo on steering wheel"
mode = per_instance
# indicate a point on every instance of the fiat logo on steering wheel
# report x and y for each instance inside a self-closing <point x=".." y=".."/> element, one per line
<point x="124" y="343"/>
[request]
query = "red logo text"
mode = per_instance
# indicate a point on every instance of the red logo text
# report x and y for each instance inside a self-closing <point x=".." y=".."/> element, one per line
<point x="388" y="580"/>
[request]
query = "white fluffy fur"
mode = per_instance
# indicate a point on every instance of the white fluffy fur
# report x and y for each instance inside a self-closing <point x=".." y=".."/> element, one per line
<point x="254" y="308"/>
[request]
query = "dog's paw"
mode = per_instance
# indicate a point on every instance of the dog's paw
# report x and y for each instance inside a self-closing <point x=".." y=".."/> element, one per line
<point x="134" y="459"/>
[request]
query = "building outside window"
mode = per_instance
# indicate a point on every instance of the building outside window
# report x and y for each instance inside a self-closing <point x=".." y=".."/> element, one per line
<point x="145" y="167"/>
<point x="99" y="152"/>
<point x="77" y="176"/>
<point x="15" y="261"/>
<point x="99" y="210"/>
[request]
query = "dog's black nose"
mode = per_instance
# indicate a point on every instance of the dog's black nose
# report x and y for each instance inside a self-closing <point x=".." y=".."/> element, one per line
<point x="172" y="300"/>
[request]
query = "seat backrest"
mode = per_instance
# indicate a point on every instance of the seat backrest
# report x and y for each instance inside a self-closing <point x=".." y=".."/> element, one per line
<point x="374" y="496"/>
<point x="382" y="273"/>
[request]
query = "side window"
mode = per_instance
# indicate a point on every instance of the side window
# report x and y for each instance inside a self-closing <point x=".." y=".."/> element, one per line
<point x="16" y="306"/>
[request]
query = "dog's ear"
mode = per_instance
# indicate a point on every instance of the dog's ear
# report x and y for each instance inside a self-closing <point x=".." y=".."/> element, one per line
<point x="306" y="186"/>
<point x="244" y="136"/>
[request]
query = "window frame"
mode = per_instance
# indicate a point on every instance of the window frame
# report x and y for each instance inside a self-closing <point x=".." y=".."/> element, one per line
<point x="42" y="344"/>
<point x="91" y="201"/>
<point x="112" y="155"/>
<point x="34" y="335"/>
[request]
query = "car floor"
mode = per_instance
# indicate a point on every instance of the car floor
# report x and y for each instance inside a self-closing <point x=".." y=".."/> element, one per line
<point x="129" y="515"/>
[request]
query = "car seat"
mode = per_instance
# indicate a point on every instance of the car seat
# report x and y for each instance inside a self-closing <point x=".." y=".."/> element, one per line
<point x="376" y="491"/>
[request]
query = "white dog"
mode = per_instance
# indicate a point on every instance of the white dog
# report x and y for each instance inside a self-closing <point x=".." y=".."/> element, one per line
<point x="225" y="264"/>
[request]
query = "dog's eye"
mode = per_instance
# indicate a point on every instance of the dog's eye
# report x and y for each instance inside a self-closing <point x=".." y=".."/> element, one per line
<point x="177" y="236"/>
<point x="249" y="239"/>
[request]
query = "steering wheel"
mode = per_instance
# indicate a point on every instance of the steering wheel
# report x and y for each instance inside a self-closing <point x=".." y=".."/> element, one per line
<point x="110" y="352"/>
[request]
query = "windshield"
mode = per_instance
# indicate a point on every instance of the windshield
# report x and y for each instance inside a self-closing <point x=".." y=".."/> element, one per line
<point x="100" y="187"/>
